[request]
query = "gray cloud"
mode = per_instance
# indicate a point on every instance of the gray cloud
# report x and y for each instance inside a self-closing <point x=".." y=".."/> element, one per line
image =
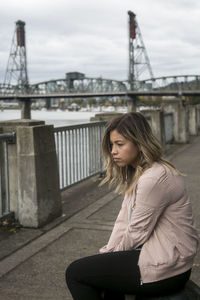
<point x="92" y="36"/>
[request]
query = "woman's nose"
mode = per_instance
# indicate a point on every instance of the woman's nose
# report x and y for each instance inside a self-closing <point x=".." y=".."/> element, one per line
<point x="114" y="150"/>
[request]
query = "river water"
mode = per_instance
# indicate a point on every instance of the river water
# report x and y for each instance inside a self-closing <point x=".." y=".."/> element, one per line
<point x="56" y="118"/>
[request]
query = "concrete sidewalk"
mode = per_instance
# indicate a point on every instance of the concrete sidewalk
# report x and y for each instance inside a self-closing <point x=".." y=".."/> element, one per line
<point x="33" y="262"/>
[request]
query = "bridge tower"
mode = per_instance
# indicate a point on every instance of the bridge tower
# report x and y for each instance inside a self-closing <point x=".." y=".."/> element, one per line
<point x="16" y="72"/>
<point x="139" y="62"/>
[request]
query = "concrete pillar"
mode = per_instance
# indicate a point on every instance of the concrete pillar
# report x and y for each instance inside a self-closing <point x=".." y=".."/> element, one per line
<point x="180" y="116"/>
<point x="156" y="121"/>
<point x="34" y="180"/>
<point x="183" y="125"/>
<point x="193" y="126"/>
<point x="25" y="108"/>
<point x="131" y="103"/>
<point x="198" y="116"/>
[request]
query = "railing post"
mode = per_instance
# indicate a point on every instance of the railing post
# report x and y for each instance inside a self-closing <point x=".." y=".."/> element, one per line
<point x="34" y="183"/>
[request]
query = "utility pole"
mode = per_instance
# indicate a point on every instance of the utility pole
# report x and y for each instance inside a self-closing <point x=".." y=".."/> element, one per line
<point x="16" y="72"/>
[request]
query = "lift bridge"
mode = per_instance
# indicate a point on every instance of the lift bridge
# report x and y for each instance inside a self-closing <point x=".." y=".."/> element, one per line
<point x="16" y="77"/>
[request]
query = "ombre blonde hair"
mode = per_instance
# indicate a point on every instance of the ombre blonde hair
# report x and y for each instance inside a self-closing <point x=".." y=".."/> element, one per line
<point x="135" y="128"/>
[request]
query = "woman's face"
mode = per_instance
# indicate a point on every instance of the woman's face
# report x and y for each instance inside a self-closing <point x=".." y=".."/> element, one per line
<point x="123" y="151"/>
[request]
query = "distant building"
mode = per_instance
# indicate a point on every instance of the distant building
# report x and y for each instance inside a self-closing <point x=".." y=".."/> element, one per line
<point x="74" y="107"/>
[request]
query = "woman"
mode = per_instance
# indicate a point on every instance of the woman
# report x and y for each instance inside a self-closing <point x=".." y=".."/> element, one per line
<point x="153" y="242"/>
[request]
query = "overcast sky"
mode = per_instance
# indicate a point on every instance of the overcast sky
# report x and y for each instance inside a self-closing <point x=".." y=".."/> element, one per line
<point x="91" y="36"/>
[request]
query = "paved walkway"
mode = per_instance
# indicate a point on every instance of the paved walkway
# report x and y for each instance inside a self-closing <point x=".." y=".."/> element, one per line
<point x="33" y="262"/>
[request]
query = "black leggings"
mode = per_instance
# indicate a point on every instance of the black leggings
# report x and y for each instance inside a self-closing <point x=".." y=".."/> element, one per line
<point x="114" y="275"/>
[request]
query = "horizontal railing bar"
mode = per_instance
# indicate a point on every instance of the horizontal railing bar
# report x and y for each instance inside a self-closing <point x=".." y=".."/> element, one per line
<point x="84" y="125"/>
<point x="7" y="136"/>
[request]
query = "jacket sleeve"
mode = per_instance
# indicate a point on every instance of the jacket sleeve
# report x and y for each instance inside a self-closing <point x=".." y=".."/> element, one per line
<point x="152" y="197"/>
<point x="118" y="229"/>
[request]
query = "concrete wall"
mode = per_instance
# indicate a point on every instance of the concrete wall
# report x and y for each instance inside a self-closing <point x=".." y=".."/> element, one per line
<point x="186" y="120"/>
<point x="33" y="169"/>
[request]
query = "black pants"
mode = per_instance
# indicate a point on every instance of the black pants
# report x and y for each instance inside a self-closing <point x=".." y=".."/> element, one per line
<point x="114" y="275"/>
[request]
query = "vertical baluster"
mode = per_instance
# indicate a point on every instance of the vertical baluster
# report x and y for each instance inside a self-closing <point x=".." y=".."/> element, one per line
<point x="76" y="153"/>
<point x="61" y="156"/>
<point x="84" y="152"/>
<point x="58" y="156"/>
<point x="96" y="148"/>
<point x="72" y="157"/>
<point x="66" y="157"/>
<point x="92" y="150"/>
<point x="81" y="152"/>
<point x="70" y="160"/>
<point x="82" y="143"/>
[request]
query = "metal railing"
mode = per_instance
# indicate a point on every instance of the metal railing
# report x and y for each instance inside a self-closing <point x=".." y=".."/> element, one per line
<point x="5" y="138"/>
<point x="78" y="151"/>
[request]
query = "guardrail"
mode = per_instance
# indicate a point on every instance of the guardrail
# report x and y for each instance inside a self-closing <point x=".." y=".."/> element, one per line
<point x="78" y="149"/>
<point x="5" y="138"/>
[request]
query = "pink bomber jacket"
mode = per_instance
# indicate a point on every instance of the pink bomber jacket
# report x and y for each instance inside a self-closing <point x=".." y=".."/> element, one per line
<point x="158" y="215"/>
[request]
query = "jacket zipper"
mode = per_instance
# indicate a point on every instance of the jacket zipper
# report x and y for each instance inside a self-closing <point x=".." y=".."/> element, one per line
<point x="141" y="282"/>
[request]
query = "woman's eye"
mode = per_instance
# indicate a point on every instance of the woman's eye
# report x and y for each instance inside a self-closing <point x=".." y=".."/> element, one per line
<point x="120" y="145"/>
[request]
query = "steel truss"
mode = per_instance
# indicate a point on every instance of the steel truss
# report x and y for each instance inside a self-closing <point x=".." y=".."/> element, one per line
<point x="16" y="72"/>
<point x="92" y="85"/>
<point x="95" y="85"/>
<point x="171" y="83"/>
<point x="139" y="63"/>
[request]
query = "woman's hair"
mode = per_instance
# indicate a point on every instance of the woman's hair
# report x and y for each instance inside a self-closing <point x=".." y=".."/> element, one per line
<point x="135" y="128"/>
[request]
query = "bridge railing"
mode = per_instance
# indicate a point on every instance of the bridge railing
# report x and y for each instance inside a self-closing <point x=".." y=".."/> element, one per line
<point x="5" y="138"/>
<point x="78" y="149"/>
